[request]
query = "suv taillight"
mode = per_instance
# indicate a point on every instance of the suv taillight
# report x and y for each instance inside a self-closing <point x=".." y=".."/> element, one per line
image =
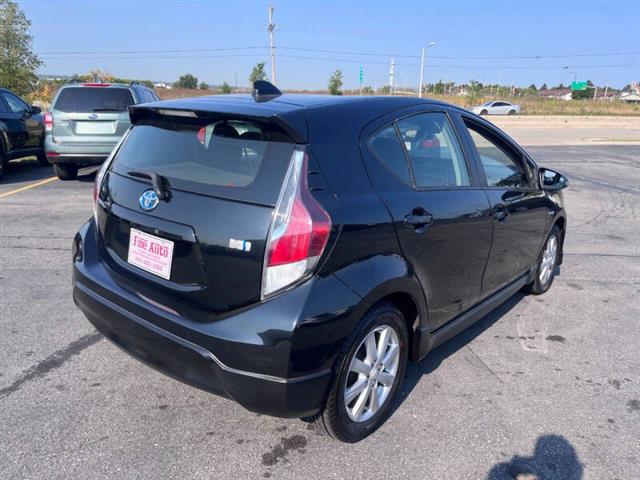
<point x="299" y="230"/>
<point x="48" y="122"/>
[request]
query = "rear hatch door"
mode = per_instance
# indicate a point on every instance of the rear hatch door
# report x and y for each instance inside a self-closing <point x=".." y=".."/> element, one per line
<point x="223" y="177"/>
<point x="91" y="114"/>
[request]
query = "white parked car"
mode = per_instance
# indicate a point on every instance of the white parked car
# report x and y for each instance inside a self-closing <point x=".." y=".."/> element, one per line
<point x="496" y="108"/>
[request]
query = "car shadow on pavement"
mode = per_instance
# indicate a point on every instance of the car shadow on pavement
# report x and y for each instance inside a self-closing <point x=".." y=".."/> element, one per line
<point x="27" y="170"/>
<point x="554" y="458"/>
<point x="415" y="371"/>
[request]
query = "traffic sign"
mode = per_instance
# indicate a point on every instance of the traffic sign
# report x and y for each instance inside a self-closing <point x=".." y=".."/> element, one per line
<point x="579" y="86"/>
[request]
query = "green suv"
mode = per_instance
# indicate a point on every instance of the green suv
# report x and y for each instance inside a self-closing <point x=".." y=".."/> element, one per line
<point x="86" y="121"/>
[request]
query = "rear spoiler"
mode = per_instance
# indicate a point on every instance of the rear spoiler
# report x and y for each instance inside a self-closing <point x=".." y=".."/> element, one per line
<point x="293" y="124"/>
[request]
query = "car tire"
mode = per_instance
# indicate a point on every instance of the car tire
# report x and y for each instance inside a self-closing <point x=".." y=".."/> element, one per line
<point x="484" y="112"/>
<point x="511" y="112"/>
<point x="354" y="419"/>
<point x="545" y="270"/>
<point x="66" y="171"/>
<point x="42" y="159"/>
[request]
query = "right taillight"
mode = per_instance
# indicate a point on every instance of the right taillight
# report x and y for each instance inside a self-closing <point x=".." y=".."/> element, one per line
<point x="299" y="230"/>
<point x="48" y="122"/>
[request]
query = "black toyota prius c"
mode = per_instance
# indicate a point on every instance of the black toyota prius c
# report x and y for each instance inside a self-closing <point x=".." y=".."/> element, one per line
<point x="294" y="252"/>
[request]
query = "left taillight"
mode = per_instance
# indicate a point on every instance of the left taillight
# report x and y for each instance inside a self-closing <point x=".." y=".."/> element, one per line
<point x="48" y="122"/>
<point x="97" y="185"/>
<point x="299" y="230"/>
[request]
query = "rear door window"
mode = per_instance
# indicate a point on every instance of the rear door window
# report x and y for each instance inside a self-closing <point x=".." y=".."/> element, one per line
<point x="387" y="148"/>
<point x="93" y="99"/>
<point x="235" y="159"/>
<point x="434" y="152"/>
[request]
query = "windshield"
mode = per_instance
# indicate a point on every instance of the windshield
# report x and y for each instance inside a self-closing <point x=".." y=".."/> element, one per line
<point x="93" y="99"/>
<point x="230" y="158"/>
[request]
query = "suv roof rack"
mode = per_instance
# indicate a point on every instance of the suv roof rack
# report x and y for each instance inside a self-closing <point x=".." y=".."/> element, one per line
<point x="264" y="91"/>
<point x="74" y="80"/>
<point x="134" y="82"/>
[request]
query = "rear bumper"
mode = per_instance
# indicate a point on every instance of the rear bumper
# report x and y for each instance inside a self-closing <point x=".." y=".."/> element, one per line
<point x="77" y="152"/>
<point x="247" y="357"/>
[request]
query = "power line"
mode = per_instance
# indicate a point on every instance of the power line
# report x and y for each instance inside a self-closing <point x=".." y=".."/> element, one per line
<point x="344" y="52"/>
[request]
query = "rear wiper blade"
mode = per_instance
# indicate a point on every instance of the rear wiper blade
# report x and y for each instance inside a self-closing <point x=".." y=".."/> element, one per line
<point x="158" y="181"/>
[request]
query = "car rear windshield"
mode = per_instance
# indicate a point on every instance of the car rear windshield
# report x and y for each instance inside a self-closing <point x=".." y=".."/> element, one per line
<point x="235" y="159"/>
<point x="93" y="99"/>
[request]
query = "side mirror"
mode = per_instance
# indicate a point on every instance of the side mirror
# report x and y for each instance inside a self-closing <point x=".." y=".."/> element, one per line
<point x="35" y="110"/>
<point x="551" y="180"/>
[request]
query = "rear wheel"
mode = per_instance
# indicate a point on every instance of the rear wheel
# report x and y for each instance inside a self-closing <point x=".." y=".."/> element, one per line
<point x="484" y="112"/>
<point x="370" y="371"/>
<point x="66" y="171"/>
<point x="547" y="263"/>
<point x="2" y="162"/>
<point x="42" y="159"/>
<point x="512" y="112"/>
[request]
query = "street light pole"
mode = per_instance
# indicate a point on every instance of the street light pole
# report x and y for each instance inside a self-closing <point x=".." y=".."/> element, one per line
<point x="424" y="49"/>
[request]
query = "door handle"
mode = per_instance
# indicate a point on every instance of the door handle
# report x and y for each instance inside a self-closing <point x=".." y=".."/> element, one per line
<point x="501" y="214"/>
<point x="418" y="219"/>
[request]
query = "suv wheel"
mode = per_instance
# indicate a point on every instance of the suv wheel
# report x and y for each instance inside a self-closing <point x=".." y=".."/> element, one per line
<point x="42" y="159"/>
<point x="66" y="171"/>
<point x="547" y="263"/>
<point x="370" y="370"/>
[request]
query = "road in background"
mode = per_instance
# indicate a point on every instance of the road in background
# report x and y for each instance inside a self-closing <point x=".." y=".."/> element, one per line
<point x="547" y="383"/>
<point x="555" y="130"/>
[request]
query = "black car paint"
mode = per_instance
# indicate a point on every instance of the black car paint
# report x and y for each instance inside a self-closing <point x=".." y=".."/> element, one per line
<point x="21" y="134"/>
<point x="277" y="355"/>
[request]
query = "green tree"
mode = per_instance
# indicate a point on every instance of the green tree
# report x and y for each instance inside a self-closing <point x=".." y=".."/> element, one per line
<point x="187" y="81"/>
<point x="257" y="73"/>
<point x="367" y="90"/>
<point x="18" y="63"/>
<point x="204" y="86"/>
<point x="544" y="87"/>
<point x="225" y="88"/>
<point x="385" y="90"/>
<point x="335" y="83"/>
<point x="533" y="87"/>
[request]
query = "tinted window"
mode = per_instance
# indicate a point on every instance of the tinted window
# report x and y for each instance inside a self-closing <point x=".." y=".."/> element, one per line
<point x="498" y="161"/>
<point x="231" y="158"/>
<point x="88" y="99"/>
<point x="387" y="148"/>
<point x="3" y="107"/>
<point x="16" y="105"/>
<point x="434" y="153"/>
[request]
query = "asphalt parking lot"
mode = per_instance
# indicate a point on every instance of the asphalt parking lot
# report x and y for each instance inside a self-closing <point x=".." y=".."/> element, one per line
<point x="548" y="384"/>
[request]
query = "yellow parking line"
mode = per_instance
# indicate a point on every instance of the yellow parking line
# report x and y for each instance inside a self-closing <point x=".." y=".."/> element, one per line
<point x="27" y="187"/>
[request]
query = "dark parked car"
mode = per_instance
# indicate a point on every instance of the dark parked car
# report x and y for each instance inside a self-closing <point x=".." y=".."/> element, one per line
<point x="294" y="252"/>
<point x="86" y="121"/>
<point x="21" y="129"/>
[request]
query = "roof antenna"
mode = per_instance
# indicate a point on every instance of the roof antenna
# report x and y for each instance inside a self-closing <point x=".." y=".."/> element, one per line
<point x="264" y="91"/>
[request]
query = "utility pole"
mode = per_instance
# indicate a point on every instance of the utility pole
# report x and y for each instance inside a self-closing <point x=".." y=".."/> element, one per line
<point x="391" y="73"/>
<point x="271" y="29"/>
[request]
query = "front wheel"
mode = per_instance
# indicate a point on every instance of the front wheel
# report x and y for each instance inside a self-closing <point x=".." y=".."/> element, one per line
<point x="370" y="371"/>
<point x="547" y="263"/>
<point x="66" y="171"/>
<point x="512" y="112"/>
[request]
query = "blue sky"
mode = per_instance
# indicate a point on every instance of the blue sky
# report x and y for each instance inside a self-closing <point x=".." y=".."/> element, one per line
<point x="464" y="32"/>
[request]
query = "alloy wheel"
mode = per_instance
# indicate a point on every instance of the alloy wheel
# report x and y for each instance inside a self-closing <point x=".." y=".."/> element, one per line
<point x="548" y="262"/>
<point x="372" y="373"/>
